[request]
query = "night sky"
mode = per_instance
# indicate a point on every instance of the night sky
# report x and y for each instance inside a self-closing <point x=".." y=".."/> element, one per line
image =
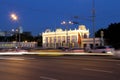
<point x="38" y="15"/>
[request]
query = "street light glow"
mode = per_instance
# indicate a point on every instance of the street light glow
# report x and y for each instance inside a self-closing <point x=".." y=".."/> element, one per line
<point x="14" y="16"/>
<point x="63" y="22"/>
<point x="70" y="22"/>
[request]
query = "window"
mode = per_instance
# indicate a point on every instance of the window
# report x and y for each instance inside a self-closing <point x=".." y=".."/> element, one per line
<point x="74" y="38"/>
<point x="85" y="35"/>
<point x="46" y="40"/>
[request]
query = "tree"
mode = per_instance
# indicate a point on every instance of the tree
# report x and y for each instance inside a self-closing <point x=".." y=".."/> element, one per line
<point x="111" y="34"/>
<point x="39" y="40"/>
<point x="98" y="33"/>
<point x="26" y="36"/>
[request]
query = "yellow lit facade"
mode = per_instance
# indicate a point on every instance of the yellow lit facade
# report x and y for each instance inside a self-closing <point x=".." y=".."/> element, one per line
<point x="69" y="38"/>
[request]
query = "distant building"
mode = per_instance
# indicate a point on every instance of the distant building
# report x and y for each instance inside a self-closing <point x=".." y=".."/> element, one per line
<point x="18" y="44"/>
<point x="13" y="44"/>
<point x="2" y="33"/>
<point x="69" y="38"/>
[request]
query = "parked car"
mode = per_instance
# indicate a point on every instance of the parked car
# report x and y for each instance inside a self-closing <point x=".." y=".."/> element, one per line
<point x="77" y="50"/>
<point x="102" y="49"/>
<point x="64" y="48"/>
<point x="117" y="54"/>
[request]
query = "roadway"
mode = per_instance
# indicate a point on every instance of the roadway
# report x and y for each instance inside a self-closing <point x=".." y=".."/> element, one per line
<point x="35" y="67"/>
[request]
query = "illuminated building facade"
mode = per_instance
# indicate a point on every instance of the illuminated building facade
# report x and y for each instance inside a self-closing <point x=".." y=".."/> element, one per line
<point x="16" y="44"/>
<point x="68" y="38"/>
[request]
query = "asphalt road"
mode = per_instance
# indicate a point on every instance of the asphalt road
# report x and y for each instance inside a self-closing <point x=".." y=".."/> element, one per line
<point x="33" y="67"/>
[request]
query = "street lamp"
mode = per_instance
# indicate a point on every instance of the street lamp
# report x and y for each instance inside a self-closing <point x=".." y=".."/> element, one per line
<point x="15" y="18"/>
<point x="66" y="23"/>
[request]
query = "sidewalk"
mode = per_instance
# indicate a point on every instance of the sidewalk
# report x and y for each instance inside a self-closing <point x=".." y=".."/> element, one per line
<point x="70" y="53"/>
<point x="53" y="53"/>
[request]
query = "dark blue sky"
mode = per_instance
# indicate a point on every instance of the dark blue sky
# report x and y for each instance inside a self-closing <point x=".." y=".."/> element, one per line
<point x="38" y="15"/>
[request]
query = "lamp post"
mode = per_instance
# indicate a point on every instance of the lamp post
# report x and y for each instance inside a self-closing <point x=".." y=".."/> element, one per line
<point x="66" y="23"/>
<point x="15" y="18"/>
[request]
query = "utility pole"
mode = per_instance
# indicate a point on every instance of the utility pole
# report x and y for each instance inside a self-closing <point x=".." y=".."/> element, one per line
<point x="93" y="21"/>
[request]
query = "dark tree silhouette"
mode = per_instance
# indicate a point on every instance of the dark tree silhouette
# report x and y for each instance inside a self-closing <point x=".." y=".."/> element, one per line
<point x="111" y="34"/>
